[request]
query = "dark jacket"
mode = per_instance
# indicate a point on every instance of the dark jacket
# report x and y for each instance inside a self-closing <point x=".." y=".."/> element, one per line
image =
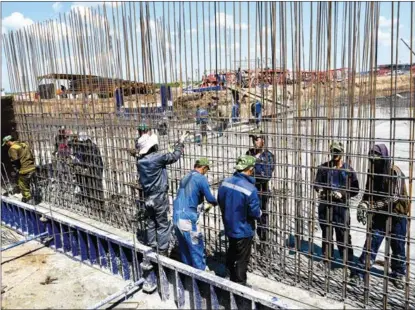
<point x="240" y="205"/>
<point x="264" y="167"/>
<point x="152" y="169"/>
<point x="344" y="180"/>
<point x="88" y="157"/>
<point x="386" y="183"/>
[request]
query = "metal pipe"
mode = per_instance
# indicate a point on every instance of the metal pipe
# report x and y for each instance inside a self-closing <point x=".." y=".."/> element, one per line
<point x="13" y="245"/>
<point x="125" y="291"/>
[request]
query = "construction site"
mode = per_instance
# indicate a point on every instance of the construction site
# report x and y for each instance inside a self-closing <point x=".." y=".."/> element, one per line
<point x="300" y="77"/>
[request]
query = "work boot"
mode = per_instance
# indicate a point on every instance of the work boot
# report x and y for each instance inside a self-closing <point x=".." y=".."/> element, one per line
<point x="164" y="253"/>
<point x="398" y="282"/>
<point x="356" y="280"/>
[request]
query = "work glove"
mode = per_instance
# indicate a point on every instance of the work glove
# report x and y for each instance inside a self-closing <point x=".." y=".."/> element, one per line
<point x="132" y="152"/>
<point x="321" y="194"/>
<point x="379" y="205"/>
<point x="362" y="212"/>
<point x="142" y="214"/>
<point x="337" y="195"/>
<point x="184" y="136"/>
<point x="207" y="208"/>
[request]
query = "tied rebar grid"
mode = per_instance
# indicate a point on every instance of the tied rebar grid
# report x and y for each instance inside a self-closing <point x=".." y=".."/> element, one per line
<point x="311" y="65"/>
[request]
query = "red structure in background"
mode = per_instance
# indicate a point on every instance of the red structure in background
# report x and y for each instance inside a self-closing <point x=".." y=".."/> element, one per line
<point x="255" y="77"/>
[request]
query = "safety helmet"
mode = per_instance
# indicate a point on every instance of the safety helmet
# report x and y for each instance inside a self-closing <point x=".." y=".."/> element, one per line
<point x="336" y="147"/>
<point x="143" y="127"/>
<point x="146" y="142"/>
<point x="245" y="161"/>
<point x="203" y="161"/>
<point x="83" y="136"/>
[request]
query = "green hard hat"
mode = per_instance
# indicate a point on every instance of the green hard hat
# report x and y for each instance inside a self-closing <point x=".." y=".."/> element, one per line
<point x="336" y="146"/>
<point x="203" y="161"/>
<point x="143" y="127"/>
<point x="245" y="161"/>
<point x="6" y="139"/>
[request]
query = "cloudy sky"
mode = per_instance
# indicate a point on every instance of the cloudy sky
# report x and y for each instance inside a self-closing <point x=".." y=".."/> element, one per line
<point x="237" y="34"/>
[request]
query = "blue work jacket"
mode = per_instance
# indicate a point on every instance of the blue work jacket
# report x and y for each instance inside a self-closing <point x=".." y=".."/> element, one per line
<point x="240" y="205"/>
<point x="193" y="189"/>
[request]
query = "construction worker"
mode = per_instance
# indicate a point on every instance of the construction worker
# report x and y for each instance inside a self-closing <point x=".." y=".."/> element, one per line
<point x="386" y="197"/>
<point x="187" y="206"/>
<point x="23" y="164"/>
<point x="258" y="113"/>
<point x="240" y="206"/>
<point x="202" y="119"/>
<point x="235" y="112"/>
<point x="336" y="182"/>
<point x="62" y="159"/>
<point x="264" y="167"/>
<point x="154" y="182"/>
<point x="89" y="170"/>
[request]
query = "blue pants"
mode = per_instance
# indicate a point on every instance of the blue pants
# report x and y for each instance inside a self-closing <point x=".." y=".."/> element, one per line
<point x="192" y="249"/>
<point x="397" y="243"/>
<point x="340" y="227"/>
<point x="258" y="118"/>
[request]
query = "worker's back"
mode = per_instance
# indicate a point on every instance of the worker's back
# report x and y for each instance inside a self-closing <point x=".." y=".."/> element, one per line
<point x="240" y="205"/>
<point x="20" y="151"/>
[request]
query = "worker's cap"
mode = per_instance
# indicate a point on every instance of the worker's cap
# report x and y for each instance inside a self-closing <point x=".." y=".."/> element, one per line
<point x="258" y="136"/>
<point x="203" y="161"/>
<point x="336" y="147"/>
<point x="83" y="136"/>
<point x="6" y="139"/>
<point x="245" y="161"/>
<point x="143" y="127"/>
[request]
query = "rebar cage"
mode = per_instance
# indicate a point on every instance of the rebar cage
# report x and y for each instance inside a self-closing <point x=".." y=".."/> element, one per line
<point x="289" y="55"/>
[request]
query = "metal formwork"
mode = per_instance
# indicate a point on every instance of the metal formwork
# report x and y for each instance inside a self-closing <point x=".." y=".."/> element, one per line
<point x="98" y="248"/>
<point x="173" y="44"/>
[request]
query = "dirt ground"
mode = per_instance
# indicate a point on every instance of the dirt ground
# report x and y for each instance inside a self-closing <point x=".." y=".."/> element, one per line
<point x="44" y="279"/>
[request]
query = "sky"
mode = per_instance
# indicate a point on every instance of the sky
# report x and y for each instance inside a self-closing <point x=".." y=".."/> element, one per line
<point x="199" y="48"/>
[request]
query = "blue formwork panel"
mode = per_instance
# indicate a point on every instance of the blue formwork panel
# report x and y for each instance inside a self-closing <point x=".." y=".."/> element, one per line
<point x="28" y="223"/>
<point x="39" y="224"/>
<point x="56" y="228"/>
<point x="74" y="241"/>
<point x="83" y="245"/>
<point x="191" y="288"/>
<point x="102" y="252"/>
<point x="66" y="238"/>
<point x="32" y="223"/>
<point x="5" y="213"/>
<point x="21" y="220"/>
<point x="16" y="218"/>
<point x="93" y="249"/>
<point x="113" y="249"/>
<point x="126" y="262"/>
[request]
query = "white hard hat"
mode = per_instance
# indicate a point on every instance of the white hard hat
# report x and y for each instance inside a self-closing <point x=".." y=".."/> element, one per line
<point x="146" y="142"/>
<point x="83" y="136"/>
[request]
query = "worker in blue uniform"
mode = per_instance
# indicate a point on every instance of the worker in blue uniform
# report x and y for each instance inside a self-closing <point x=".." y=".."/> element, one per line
<point x="240" y="206"/>
<point x="258" y="113"/>
<point x="264" y="167"/>
<point x="152" y="168"/>
<point x="187" y="207"/>
<point x="336" y="182"/>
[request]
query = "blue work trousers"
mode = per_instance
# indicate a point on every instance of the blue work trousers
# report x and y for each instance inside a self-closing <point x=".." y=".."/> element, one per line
<point x="397" y="243"/>
<point x="192" y="249"/>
